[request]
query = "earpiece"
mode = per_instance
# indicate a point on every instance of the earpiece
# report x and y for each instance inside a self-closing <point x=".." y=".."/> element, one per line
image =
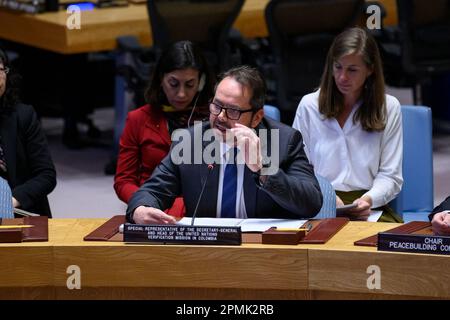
<point x="201" y="83"/>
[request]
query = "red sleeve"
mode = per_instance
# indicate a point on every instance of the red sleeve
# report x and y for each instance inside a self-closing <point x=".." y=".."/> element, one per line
<point x="140" y="151"/>
<point x="178" y="209"/>
<point x="126" y="180"/>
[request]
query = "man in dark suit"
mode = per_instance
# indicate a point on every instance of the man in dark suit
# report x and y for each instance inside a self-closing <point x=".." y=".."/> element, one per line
<point x="440" y="218"/>
<point x="244" y="187"/>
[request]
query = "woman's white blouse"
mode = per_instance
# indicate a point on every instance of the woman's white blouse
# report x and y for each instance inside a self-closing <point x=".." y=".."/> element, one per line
<point x="350" y="157"/>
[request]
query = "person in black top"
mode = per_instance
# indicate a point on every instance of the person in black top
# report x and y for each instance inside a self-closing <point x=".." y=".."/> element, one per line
<point x="25" y="160"/>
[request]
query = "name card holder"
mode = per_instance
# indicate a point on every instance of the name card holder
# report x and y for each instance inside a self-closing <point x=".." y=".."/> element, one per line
<point x="27" y="229"/>
<point x="416" y="243"/>
<point x="407" y="228"/>
<point x="281" y="236"/>
<point x="177" y="234"/>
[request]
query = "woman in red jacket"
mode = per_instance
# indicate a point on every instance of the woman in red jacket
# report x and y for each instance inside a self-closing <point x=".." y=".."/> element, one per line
<point x="178" y="93"/>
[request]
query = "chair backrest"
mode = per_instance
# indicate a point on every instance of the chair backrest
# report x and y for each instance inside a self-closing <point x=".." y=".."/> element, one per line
<point x="328" y="209"/>
<point x="205" y="22"/>
<point x="417" y="191"/>
<point x="6" y="206"/>
<point x="272" y="112"/>
<point x="301" y="32"/>
<point x="425" y="35"/>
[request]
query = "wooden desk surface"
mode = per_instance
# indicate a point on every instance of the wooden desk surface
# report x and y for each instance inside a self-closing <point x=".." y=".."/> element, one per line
<point x="337" y="269"/>
<point x="338" y="266"/>
<point x="101" y="27"/>
<point x="122" y="270"/>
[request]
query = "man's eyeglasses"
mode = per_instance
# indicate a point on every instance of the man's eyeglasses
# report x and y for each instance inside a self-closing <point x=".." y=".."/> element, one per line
<point x="4" y="70"/>
<point x="232" y="113"/>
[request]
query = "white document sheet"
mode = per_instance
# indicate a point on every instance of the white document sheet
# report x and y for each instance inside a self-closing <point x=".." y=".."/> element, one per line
<point x="247" y="225"/>
<point x="374" y="216"/>
<point x="217" y="222"/>
<point x="261" y="225"/>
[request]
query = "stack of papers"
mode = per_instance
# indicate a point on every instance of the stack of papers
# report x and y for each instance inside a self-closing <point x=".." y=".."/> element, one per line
<point x="247" y="225"/>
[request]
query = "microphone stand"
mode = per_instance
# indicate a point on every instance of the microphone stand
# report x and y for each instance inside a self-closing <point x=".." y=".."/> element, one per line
<point x="210" y="169"/>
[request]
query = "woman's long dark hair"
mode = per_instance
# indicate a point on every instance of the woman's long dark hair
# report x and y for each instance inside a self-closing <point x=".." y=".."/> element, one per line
<point x="180" y="55"/>
<point x="11" y="96"/>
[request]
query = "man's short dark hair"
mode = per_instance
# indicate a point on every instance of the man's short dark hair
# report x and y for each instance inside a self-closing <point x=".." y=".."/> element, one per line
<point x="252" y="79"/>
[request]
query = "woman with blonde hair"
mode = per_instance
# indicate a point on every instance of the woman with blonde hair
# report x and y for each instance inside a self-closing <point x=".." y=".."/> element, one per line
<point x="352" y="129"/>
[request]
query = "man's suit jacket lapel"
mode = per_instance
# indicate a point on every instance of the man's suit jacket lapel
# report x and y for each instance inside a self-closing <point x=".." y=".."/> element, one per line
<point x="209" y="200"/>
<point x="250" y="191"/>
<point x="250" y="188"/>
<point x="9" y="144"/>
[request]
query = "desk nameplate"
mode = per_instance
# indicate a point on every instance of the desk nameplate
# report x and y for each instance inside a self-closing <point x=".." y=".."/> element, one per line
<point x="415" y="243"/>
<point x="179" y="234"/>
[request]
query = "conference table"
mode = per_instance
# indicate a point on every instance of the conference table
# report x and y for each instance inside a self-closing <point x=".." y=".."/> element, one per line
<point x="101" y="27"/>
<point x="115" y="270"/>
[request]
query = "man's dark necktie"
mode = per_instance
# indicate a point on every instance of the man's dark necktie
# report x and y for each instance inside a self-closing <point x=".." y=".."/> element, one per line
<point x="229" y="189"/>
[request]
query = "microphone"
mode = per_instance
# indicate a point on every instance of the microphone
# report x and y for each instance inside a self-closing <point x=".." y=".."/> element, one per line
<point x="210" y="169"/>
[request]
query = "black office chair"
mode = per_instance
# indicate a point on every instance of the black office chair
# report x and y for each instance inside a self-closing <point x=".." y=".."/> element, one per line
<point x="205" y="22"/>
<point x="301" y="32"/>
<point x="419" y="47"/>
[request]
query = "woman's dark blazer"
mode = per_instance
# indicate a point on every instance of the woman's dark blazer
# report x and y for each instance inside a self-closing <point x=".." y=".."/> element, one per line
<point x="30" y="170"/>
